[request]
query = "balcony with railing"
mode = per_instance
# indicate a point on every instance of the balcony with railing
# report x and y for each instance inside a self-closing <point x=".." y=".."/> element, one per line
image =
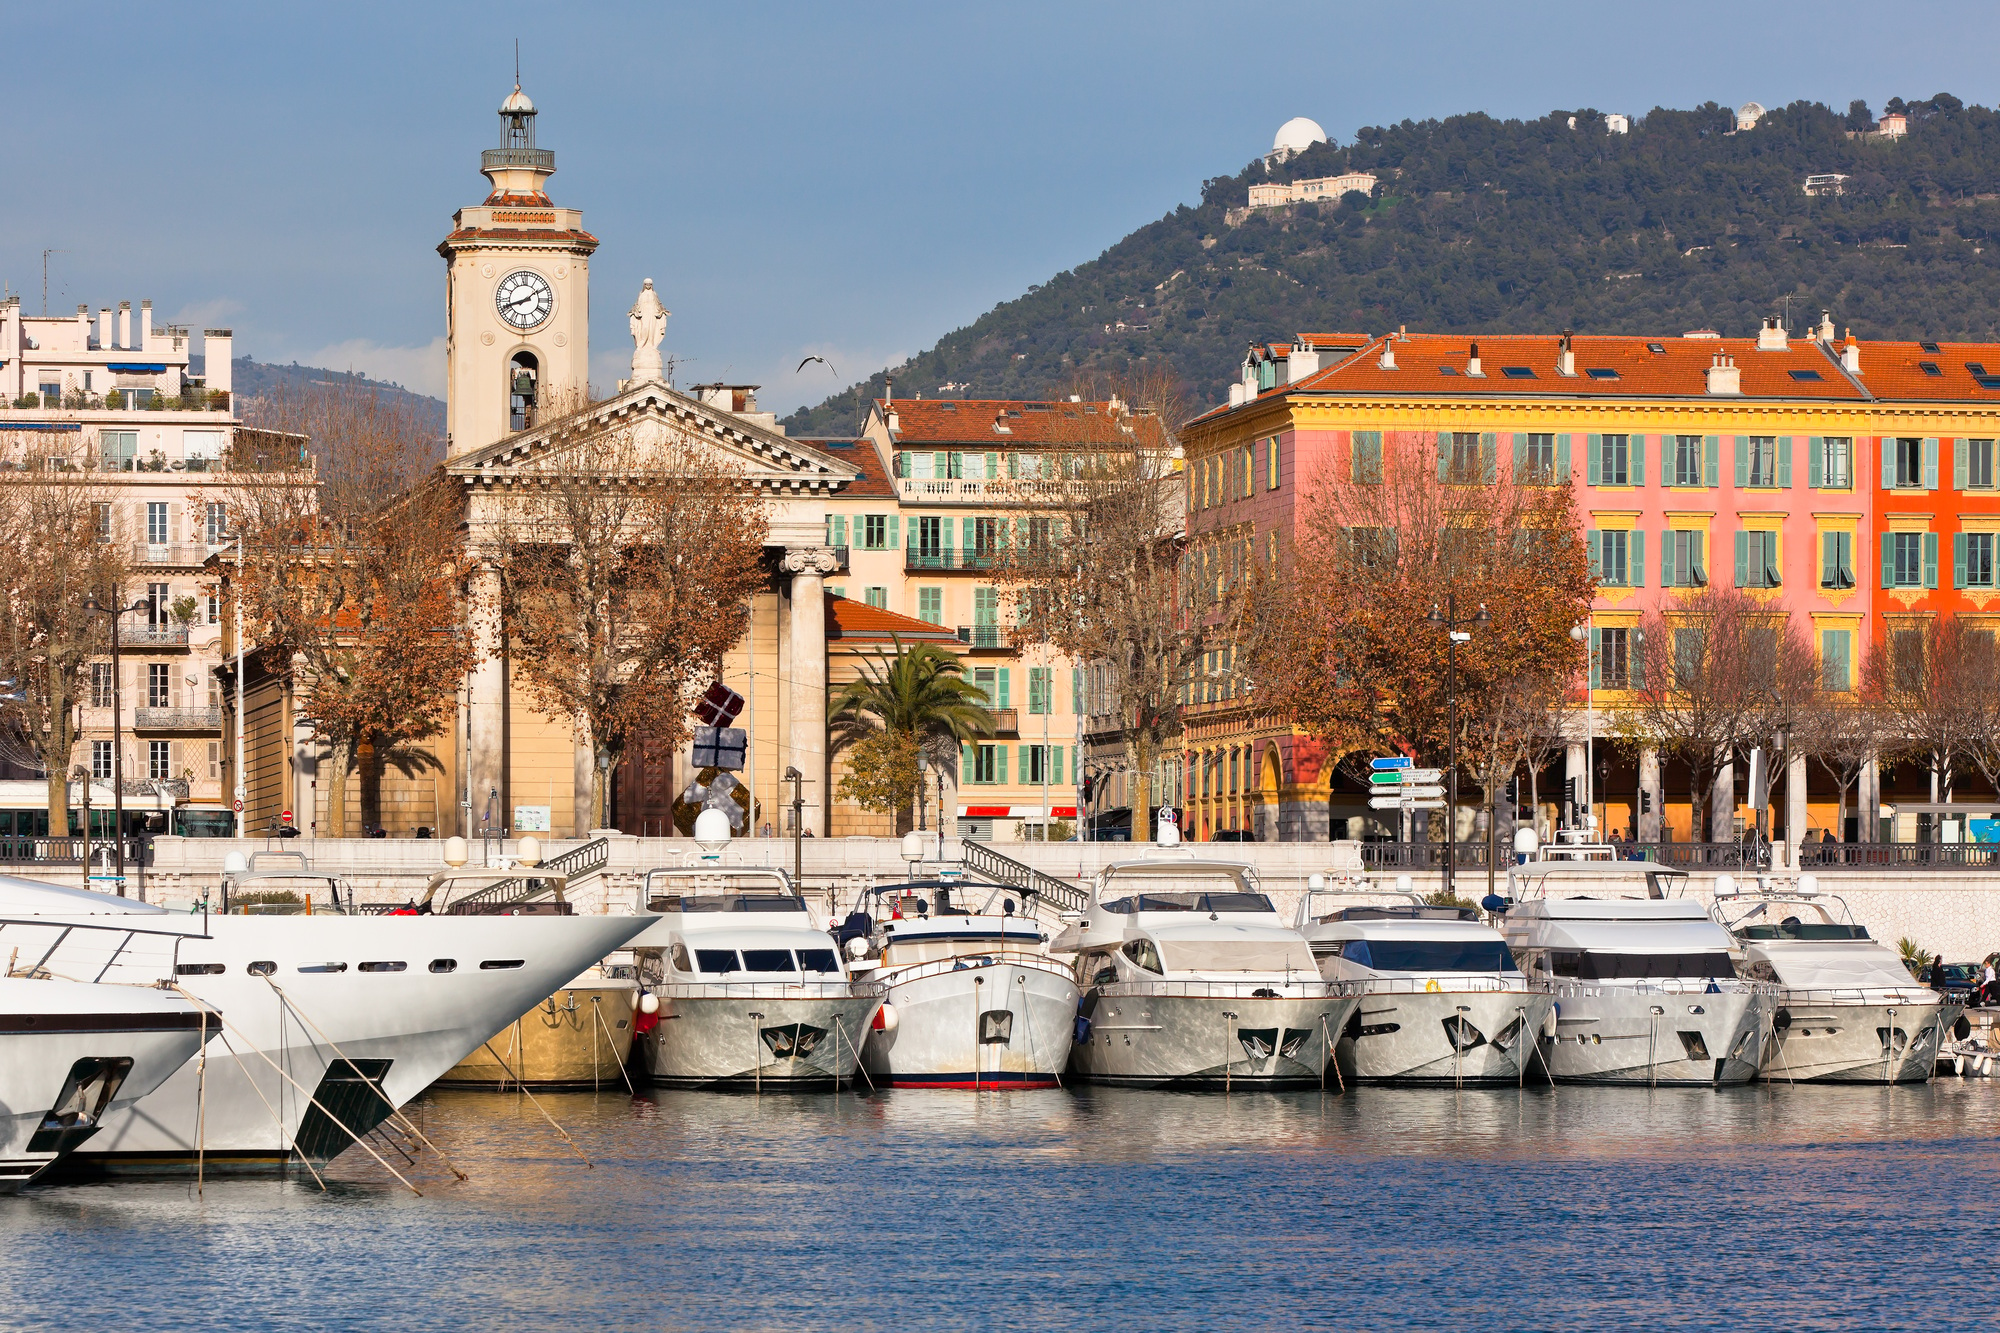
<point x="918" y="558"/>
<point x="1006" y="721"/>
<point x="177" y="719"/>
<point x="534" y="159"/>
<point x="996" y="490"/>
<point x="152" y="636"/>
<point x="170" y="553"/>
<point x="986" y="636"/>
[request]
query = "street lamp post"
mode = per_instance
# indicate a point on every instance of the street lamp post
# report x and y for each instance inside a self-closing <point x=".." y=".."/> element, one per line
<point x="92" y="605"/>
<point x="1448" y="621"/>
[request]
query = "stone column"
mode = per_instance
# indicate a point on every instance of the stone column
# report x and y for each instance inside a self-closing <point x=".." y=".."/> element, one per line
<point x="1722" y="804"/>
<point x="1868" y="811"/>
<point x="809" y="566"/>
<point x="1651" y="795"/>
<point x="486" y="729"/>
<point x="1576" y="765"/>
<point x="1795" y="800"/>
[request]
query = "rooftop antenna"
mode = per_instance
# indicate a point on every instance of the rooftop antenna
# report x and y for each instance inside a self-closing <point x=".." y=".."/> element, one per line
<point x="517" y="64"/>
<point x="45" y="276"/>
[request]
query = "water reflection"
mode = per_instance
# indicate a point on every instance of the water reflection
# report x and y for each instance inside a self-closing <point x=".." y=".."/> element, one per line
<point x="1384" y="1208"/>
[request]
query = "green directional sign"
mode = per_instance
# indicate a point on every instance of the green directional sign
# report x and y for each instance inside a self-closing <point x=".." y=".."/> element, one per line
<point x="1393" y="778"/>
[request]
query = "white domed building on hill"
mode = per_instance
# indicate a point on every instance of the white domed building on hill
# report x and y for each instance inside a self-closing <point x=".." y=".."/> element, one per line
<point x="1295" y="136"/>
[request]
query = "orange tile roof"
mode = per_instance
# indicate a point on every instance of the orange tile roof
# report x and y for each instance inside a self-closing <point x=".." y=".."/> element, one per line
<point x="851" y="621"/>
<point x="1895" y="370"/>
<point x="859" y="455"/>
<point x="970" y="421"/>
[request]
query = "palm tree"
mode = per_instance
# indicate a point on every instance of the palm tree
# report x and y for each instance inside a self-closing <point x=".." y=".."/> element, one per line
<point x="920" y="693"/>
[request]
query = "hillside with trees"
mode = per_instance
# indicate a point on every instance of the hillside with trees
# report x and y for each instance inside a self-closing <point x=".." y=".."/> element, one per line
<point x="1508" y="226"/>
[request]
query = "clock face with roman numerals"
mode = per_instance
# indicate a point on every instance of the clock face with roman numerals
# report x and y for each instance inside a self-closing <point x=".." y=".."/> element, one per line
<point x="524" y="298"/>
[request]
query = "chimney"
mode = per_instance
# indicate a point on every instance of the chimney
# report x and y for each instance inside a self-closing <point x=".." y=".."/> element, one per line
<point x="1236" y="396"/>
<point x="888" y="389"/>
<point x="1723" y="376"/>
<point x="104" y="327"/>
<point x="145" y="326"/>
<point x="1472" y="362"/>
<point x="1388" y="361"/>
<point x="1850" y="355"/>
<point x="1771" y="338"/>
<point x="1302" y="362"/>
<point x="1826" y="326"/>
<point x="83" y="323"/>
<point x="1565" y="355"/>
<point x="124" y="324"/>
<point x="217" y="350"/>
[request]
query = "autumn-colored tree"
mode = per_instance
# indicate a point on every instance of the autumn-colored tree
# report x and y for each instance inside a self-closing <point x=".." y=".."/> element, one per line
<point x="350" y="572"/>
<point x="1341" y="637"/>
<point x="1097" y="565"/>
<point x="912" y="705"/>
<point x="53" y="555"/>
<point x="629" y="557"/>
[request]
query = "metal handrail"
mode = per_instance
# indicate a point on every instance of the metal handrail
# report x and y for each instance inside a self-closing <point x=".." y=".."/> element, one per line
<point x="982" y="859"/>
<point x="580" y="862"/>
<point x="896" y="976"/>
<point x="1575" y="990"/>
<point x="1855" y="995"/>
<point x="1314" y="988"/>
<point x="1444" y="984"/>
<point x="764" y="990"/>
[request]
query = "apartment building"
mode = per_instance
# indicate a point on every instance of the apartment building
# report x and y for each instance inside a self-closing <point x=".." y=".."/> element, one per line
<point x="116" y="396"/>
<point x="1849" y="484"/>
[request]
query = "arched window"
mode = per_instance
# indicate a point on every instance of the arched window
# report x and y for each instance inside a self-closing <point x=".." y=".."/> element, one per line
<point x="524" y="382"/>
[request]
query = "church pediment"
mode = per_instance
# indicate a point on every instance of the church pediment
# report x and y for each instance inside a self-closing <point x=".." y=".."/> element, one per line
<point x="641" y="431"/>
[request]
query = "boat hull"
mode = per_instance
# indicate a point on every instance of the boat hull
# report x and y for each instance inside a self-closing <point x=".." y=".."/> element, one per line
<point x="765" y="1037"/>
<point x="1613" y="1034"/>
<point x="999" y="1022"/>
<point x="334" y="1037"/>
<point x="1825" y="1041"/>
<point x="1443" y="1036"/>
<point x="1180" y="1035"/>
<point x="76" y="1063"/>
<point x="579" y="1037"/>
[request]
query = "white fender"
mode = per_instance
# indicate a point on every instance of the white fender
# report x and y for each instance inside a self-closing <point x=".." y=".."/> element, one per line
<point x="1549" y="1020"/>
<point x="885" y="1018"/>
<point x="649" y="1003"/>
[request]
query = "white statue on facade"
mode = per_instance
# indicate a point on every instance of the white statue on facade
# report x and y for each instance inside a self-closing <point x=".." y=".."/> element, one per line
<point x="649" y="325"/>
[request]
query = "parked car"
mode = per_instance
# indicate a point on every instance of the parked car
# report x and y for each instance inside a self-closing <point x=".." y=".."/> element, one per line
<point x="1961" y="980"/>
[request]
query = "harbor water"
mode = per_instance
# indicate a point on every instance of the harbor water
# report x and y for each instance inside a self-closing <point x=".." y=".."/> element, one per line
<point x="1577" y="1208"/>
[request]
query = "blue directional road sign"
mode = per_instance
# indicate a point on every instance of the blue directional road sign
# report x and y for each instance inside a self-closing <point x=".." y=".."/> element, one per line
<point x="1392" y="761"/>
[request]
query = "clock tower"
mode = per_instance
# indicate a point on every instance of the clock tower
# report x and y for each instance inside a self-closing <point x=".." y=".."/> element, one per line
<point x="517" y="295"/>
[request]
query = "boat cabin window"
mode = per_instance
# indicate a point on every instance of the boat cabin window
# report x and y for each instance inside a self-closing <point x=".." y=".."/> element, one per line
<point x="1791" y="928"/>
<point x="726" y="902"/>
<point x="1143" y="953"/>
<point x="818" y="960"/>
<point x="1410" y="912"/>
<point x="1095" y="969"/>
<point x="680" y="957"/>
<point x="1585" y="965"/>
<point x="719" y="961"/>
<point x="1190" y="902"/>
<point x="768" y="960"/>
<point x="1429" y="955"/>
<point x="1239" y="956"/>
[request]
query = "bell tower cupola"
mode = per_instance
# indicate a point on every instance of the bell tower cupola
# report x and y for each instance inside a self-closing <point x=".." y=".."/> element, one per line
<point x="517" y="295"/>
<point x="519" y="170"/>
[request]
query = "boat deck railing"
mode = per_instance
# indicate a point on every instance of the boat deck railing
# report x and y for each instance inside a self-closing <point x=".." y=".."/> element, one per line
<point x="763" y="990"/>
<point x="1571" y="990"/>
<point x="1302" y="988"/>
<point x="1856" y="995"/>
<point x="969" y="962"/>
<point x="1442" y="984"/>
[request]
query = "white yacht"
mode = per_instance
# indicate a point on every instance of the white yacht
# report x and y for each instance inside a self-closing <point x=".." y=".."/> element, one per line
<point x="1189" y="978"/>
<point x="1645" y="989"/>
<point x="330" y="1019"/>
<point x="746" y="989"/>
<point x="1848" y="1010"/>
<point x="1442" y="999"/>
<point x="74" y="1050"/>
<point x="971" y="997"/>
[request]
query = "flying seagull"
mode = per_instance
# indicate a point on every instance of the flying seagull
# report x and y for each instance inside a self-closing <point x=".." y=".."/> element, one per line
<point x="822" y="360"/>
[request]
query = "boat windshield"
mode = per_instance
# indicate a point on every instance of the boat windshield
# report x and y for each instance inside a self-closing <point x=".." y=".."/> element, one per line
<point x="1430" y="955"/>
<point x="1190" y="902"/>
<point x="1791" y="928"/>
<point x="722" y="962"/>
<point x="727" y="902"/>
<point x="1585" y="965"/>
<point x="1237" y="955"/>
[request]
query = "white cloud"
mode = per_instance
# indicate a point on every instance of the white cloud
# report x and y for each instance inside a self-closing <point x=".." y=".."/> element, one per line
<point x="419" y="369"/>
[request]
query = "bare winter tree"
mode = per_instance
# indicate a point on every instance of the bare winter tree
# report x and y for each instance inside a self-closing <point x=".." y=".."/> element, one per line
<point x="629" y="559"/>
<point x="58" y="546"/>
<point x="1842" y="731"/>
<point x="1934" y="682"/>
<point x="1098" y="567"/>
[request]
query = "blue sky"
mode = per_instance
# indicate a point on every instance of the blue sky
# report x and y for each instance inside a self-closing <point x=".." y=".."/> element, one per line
<point x="848" y="180"/>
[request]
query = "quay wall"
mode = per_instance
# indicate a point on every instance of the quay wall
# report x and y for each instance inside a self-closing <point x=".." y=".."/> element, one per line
<point x="1955" y="910"/>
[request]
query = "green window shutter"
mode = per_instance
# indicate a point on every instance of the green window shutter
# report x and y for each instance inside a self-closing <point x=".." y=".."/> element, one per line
<point x="1667" y="558"/>
<point x="1520" y="453"/>
<point x="1562" y="460"/>
<point x="1005" y="688"/>
<point x="1444" y="455"/>
<point x="1056" y="764"/>
<point x="1596" y="554"/>
<point x="1784" y="462"/>
<point x="1930" y="463"/>
<point x="895" y="531"/>
<point x="1888" y="559"/>
<point x="1829" y="558"/>
<point x="1711" y="448"/>
<point x="965" y="764"/>
<point x="1740" y="447"/>
<point x="1637" y="667"/>
<point x="1845" y="555"/>
<point x="1022" y="759"/>
<point x="1489" y="451"/>
<point x="1742" y="559"/>
<point x="1596" y="652"/>
<point x="1957" y="464"/>
<point x="1844" y="642"/>
<point x="992" y="467"/>
<point x="1667" y="452"/>
<point x="1638" y="472"/>
<point x="1635" y="558"/>
<point x="1958" y="560"/>
<point x="1593" y="465"/>
<point x="1930" y="559"/>
<point x="1815" y="464"/>
<point x="1888" y="443"/>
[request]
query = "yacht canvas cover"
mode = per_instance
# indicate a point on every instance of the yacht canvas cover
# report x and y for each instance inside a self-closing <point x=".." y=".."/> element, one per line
<point x="1857" y="966"/>
<point x="1662" y="937"/>
<point x="1224" y="948"/>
